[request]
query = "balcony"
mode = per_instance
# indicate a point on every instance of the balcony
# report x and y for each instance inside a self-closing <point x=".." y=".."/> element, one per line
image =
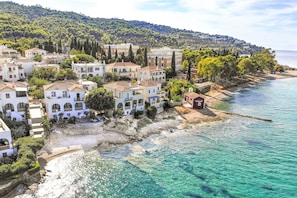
<point x="128" y="99"/>
<point x="5" y="147"/>
<point x="67" y="109"/>
<point x="78" y="99"/>
<point x="55" y="110"/>
<point x="78" y="108"/>
<point x="21" y="109"/>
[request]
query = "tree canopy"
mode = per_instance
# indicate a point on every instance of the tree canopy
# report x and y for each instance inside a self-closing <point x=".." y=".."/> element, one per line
<point x="99" y="99"/>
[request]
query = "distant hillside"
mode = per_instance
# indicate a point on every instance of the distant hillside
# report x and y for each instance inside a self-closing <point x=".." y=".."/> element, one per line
<point x="18" y="21"/>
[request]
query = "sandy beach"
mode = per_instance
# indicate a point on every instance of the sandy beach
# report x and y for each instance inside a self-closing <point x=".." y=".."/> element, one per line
<point x="89" y="136"/>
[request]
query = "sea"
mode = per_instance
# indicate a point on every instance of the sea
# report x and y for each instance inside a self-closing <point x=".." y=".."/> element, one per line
<point x="237" y="157"/>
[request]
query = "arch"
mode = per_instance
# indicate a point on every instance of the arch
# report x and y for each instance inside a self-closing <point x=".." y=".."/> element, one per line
<point x="9" y="107"/>
<point x="21" y="107"/>
<point x="120" y="106"/>
<point x="90" y="75"/>
<point x="67" y="107"/>
<point x="78" y="106"/>
<point x="56" y="107"/>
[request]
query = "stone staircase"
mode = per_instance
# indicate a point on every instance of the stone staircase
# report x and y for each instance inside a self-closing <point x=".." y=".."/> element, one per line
<point x="36" y="117"/>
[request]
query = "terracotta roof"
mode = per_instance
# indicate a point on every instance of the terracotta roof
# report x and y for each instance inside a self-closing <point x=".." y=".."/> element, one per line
<point x="151" y="68"/>
<point x="11" y="86"/>
<point x="70" y="85"/>
<point x="120" y="85"/>
<point x="121" y="64"/>
<point x="149" y="83"/>
<point x="193" y="94"/>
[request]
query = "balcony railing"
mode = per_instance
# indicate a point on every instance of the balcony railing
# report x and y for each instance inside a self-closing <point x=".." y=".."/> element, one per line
<point x="67" y="109"/>
<point x="5" y="147"/>
<point x="21" y="109"/>
<point x="55" y="110"/>
<point x="128" y="99"/>
<point x="78" y="99"/>
<point x="78" y="108"/>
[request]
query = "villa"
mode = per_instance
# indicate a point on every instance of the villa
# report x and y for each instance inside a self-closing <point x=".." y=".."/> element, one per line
<point x="13" y="100"/>
<point x="65" y="99"/>
<point x="124" y="69"/>
<point x="84" y="70"/>
<point x="31" y="53"/>
<point x="128" y="97"/>
<point x="151" y="73"/>
<point x="162" y="57"/>
<point x="11" y="71"/>
<point x="6" y="148"/>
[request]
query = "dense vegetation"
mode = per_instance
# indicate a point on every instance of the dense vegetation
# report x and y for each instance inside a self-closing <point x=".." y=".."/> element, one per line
<point x="25" y="160"/>
<point x="35" y="22"/>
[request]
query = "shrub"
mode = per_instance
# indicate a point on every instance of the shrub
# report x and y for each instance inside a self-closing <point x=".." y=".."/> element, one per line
<point x="137" y="114"/>
<point x="5" y="170"/>
<point x="151" y="112"/>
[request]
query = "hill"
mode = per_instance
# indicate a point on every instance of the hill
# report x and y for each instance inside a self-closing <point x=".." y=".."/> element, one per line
<point x="17" y="21"/>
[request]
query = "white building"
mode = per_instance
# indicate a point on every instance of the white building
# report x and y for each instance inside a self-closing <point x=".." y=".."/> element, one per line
<point x="120" y="48"/>
<point x="88" y="85"/>
<point x="83" y="70"/>
<point x="11" y="71"/>
<point x="162" y="57"/>
<point x="152" y="93"/>
<point x="13" y="100"/>
<point x="151" y="73"/>
<point x="124" y="69"/>
<point x="6" y="148"/>
<point x="27" y="64"/>
<point x="31" y="53"/>
<point x="55" y="58"/>
<point x="128" y="98"/>
<point x="64" y="99"/>
<point x="8" y="52"/>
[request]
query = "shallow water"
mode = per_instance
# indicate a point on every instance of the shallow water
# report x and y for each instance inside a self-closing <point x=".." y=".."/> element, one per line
<point x="240" y="157"/>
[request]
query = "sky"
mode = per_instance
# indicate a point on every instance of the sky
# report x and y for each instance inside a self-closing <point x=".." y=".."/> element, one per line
<point x="267" y="23"/>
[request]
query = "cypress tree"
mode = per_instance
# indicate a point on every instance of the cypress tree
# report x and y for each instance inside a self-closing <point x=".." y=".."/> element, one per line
<point x="109" y="53"/>
<point x="145" y="57"/>
<point x="131" y="54"/>
<point x="173" y="68"/>
<point x="60" y="46"/>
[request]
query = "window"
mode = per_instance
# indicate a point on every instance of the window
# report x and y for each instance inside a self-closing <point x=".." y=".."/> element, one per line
<point x="7" y="95"/>
<point x="64" y="94"/>
<point x="4" y="154"/>
<point x="10" y="76"/>
<point x="53" y="94"/>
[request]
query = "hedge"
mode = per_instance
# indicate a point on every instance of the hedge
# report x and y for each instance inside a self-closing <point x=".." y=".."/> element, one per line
<point x="26" y="157"/>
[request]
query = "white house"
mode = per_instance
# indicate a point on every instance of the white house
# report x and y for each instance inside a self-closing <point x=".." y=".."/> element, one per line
<point x="162" y="57"/>
<point x="124" y="69"/>
<point x="31" y="53"/>
<point x="8" y="52"/>
<point x="87" y="84"/>
<point x="64" y="99"/>
<point x="13" y="100"/>
<point x="11" y="71"/>
<point x="151" y="73"/>
<point x="83" y="70"/>
<point x="128" y="97"/>
<point x="6" y="148"/>
<point x="152" y="93"/>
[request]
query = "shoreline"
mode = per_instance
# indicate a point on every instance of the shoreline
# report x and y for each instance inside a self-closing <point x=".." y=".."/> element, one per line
<point x="87" y="137"/>
<point x="90" y="136"/>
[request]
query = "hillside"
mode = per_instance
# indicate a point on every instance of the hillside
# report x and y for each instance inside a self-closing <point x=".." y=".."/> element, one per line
<point x="18" y="21"/>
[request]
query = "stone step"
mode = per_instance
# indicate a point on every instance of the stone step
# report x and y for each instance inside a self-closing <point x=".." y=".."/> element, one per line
<point x="37" y="131"/>
<point x="36" y="125"/>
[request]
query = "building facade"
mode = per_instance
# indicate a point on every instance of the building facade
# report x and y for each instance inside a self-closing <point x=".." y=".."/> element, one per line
<point x="13" y="100"/>
<point x="152" y="93"/>
<point x="84" y="70"/>
<point x="162" y="57"/>
<point x="151" y="73"/>
<point x="65" y="99"/>
<point x="124" y="69"/>
<point x="6" y="148"/>
<point x="11" y="71"/>
<point x="31" y="53"/>
<point x="128" y="97"/>
<point x="120" y="48"/>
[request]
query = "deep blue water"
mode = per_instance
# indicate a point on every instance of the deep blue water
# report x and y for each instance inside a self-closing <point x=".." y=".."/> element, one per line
<point x="240" y="157"/>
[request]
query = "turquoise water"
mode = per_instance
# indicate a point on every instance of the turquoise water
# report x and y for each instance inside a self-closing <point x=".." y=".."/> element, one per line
<point x="240" y="157"/>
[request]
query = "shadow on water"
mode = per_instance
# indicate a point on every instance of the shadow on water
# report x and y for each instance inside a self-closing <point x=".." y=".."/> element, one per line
<point x="226" y="193"/>
<point x="208" y="189"/>
<point x="186" y="166"/>
<point x="257" y="144"/>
